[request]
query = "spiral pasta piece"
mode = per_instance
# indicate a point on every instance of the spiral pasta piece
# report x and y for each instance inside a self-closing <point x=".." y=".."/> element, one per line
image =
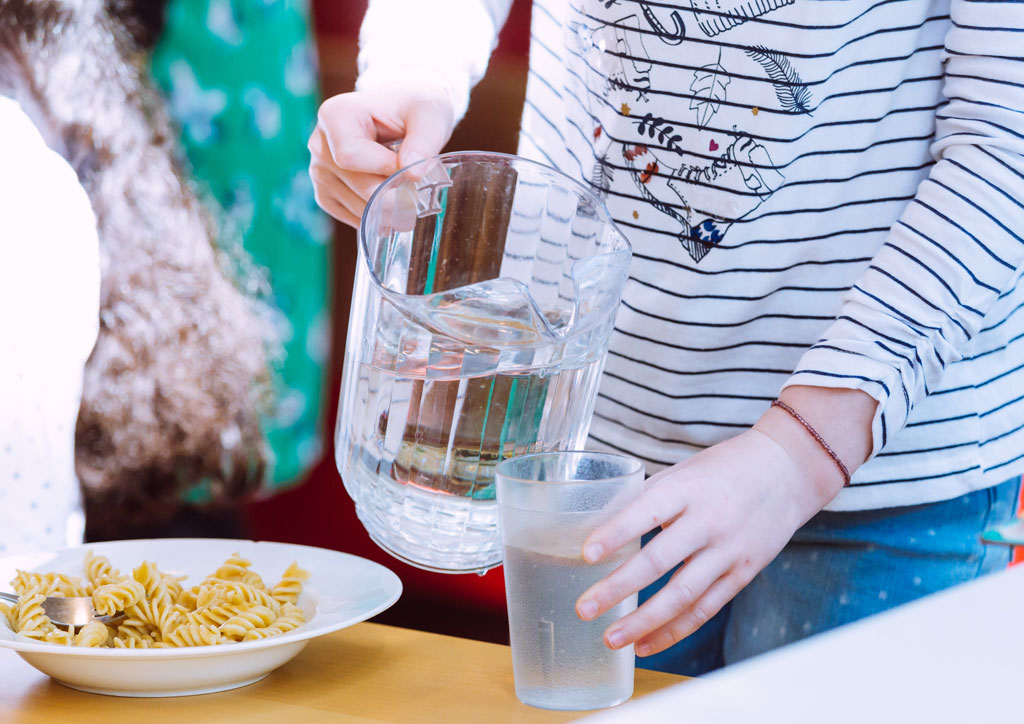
<point x="93" y="634"/>
<point x="59" y="636"/>
<point x="48" y="584"/>
<point x="11" y="614"/>
<point x="135" y="628"/>
<point x="157" y="583"/>
<point x="159" y="613"/>
<point x="291" y="618"/>
<point x="174" y="587"/>
<point x="113" y="597"/>
<point x="194" y="634"/>
<point x="98" y="570"/>
<point x="239" y="625"/>
<point x="214" y="614"/>
<point x="188" y="598"/>
<point x="238" y="592"/>
<point x="235" y="568"/>
<point x="143" y="642"/>
<point x="33" y="622"/>
<point x="151" y="579"/>
<point x="290" y="586"/>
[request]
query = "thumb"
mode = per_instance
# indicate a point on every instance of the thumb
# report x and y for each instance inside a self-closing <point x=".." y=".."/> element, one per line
<point x="428" y="126"/>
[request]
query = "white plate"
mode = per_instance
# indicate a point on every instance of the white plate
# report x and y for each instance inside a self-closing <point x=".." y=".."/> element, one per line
<point x="342" y="590"/>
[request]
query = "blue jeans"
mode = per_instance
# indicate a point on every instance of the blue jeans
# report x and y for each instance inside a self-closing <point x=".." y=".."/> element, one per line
<point x="841" y="567"/>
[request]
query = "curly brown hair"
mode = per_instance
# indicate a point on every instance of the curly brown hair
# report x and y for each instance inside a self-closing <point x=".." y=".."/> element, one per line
<point x="178" y="381"/>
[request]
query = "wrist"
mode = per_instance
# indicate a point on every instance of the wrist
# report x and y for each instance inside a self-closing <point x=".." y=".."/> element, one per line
<point x="841" y="417"/>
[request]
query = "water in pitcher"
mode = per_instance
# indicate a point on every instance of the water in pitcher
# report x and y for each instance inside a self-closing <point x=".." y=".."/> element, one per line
<point x="484" y="297"/>
<point x="431" y="432"/>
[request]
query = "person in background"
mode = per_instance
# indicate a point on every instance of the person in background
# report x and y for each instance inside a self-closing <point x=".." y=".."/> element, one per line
<point x="241" y="82"/>
<point x="818" y="349"/>
<point x="105" y="241"/>
<point x="49" y="317"/>
<point x="237" y="76"/>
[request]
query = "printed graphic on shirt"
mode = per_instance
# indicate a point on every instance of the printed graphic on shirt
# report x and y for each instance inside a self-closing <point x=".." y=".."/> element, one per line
<point x="707" y="169"/>
<point x="790" y="89"/>
<point x="722" y="15"/>
<point x="708" y="88"/>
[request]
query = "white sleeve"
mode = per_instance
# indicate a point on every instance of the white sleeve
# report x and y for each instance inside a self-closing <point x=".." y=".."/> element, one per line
<point x="448" y="41"/>
<point x="957" y="247"/>
<point x="49" y="318"/>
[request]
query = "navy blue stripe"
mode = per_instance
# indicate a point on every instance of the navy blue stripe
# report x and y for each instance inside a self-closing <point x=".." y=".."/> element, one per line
<point x="919" y="451"/>
<point x="737" y="345"/>
<point x="916" y="479"/>
<point x="928" y="303"/>
<point x="948" y="253"/>
<point x="938" y="420"/>
<point x="935" y="275"/>
<point x="1001" y="162"/>
<point x="739" y="297"/>
<point x="1005" y="463"/>
<point x="979" y="385"/>
<point x="981" y="178"/>
<point x="990" y="217"/>
<point x="801" y="239"/>
<point x="650" y="415"/>
<point x="1000" y="436"/>
<point x="984" y="79"/>
<point x="986" y="104"/>
<point x="747" y="270"/>
<point x="724" y="325"/>
<point x="839" y="375"/>
<point x="966" y="233"/>
<point x="631" y="451"/>
<point x="913" y="325"/>
<point x="1003" y="406"/>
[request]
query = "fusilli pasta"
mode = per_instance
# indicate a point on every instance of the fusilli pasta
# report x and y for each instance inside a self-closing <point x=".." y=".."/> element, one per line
<point x="98" y="569"/>
<point x="120" y="596"/>
<point x="92" y="634"/>
<point x="231" y="605"/>
<point x="290" y="586"/>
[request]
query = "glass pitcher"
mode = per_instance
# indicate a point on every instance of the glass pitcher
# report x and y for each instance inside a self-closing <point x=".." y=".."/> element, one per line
<point x="485" y="293"/>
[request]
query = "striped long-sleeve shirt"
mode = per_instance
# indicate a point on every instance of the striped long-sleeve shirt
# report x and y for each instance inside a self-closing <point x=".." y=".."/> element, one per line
<point x="817" y="192"/>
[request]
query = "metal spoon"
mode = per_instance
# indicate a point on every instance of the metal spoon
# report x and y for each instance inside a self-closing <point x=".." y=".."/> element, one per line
<point x="73" y="612"/>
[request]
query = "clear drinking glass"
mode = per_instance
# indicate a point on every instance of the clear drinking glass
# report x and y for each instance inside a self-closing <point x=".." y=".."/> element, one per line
<point x="548" y="504"/>
<point x="485" y="293"/>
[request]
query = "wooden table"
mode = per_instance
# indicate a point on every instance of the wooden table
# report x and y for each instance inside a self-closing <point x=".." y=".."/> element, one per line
<point x="366" y="673"/>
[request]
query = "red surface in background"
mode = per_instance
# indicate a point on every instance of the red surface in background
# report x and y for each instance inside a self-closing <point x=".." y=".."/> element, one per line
<point x="1018" y="552"/>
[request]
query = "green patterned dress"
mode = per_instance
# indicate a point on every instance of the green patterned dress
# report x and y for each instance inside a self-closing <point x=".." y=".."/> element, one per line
<point x="241" y="80"/>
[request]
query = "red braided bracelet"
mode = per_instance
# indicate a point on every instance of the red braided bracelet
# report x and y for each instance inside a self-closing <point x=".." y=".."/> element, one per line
<point x="814" y="433"/>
